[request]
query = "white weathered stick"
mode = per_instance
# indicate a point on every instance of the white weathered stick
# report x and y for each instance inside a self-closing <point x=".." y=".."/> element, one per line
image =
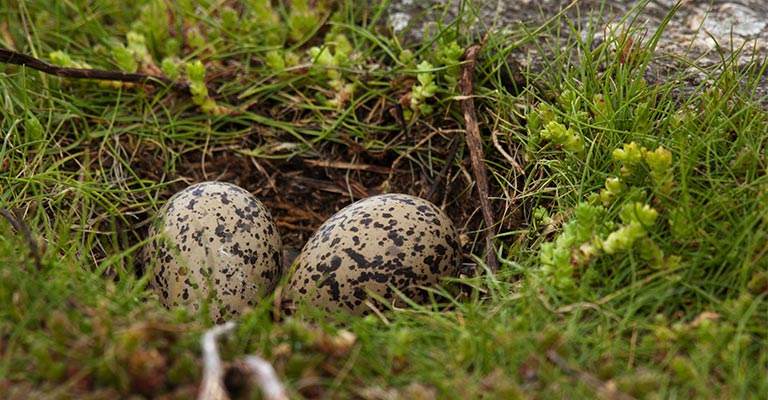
<point x="266" y="377"/>
<point x="212" y="387"/>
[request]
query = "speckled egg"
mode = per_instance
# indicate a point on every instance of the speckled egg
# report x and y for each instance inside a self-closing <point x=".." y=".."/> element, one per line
<point x="372" y="246"/>
<point x="213" y="242"/>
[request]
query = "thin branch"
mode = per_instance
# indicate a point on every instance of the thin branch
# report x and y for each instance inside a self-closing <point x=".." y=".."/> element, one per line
<point x="266" y="378"/>
<point x="12" y="57"/>
<point x="408" y="152"/>
<point x="20" y="226"/>
<point x="212" y="387"/>
<point x="444" y="171"/>
<point x="347" y="165"/>
<point x="509" y="158"/>
<point x="475" y="144"/>
<point x="607" y="390"/>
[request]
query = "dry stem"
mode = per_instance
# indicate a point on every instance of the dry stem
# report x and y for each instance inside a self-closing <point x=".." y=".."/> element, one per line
<point x="475" y="144"/>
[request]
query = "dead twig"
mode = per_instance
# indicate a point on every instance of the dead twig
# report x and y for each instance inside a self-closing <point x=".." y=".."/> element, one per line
<point x="20" y="226"/>
<point x="212" y="387"/>
<point x="347" y="165"/>
<point x="12" y="57"/>
<point x="266" y="378"/>
<point x="475" y="144"/>
<point x="606" y="389"/>
<point x="448" y="162"/>
<point x="408" y="152"/>
<point x="509" y="158"/>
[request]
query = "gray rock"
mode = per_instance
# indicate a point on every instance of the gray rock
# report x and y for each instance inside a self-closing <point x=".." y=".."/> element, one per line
<point x="692" y="47"/>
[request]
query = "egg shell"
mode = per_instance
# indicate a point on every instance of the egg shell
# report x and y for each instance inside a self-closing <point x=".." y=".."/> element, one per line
<point x="213" y="242"/>
<point x="371" y="246"/>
